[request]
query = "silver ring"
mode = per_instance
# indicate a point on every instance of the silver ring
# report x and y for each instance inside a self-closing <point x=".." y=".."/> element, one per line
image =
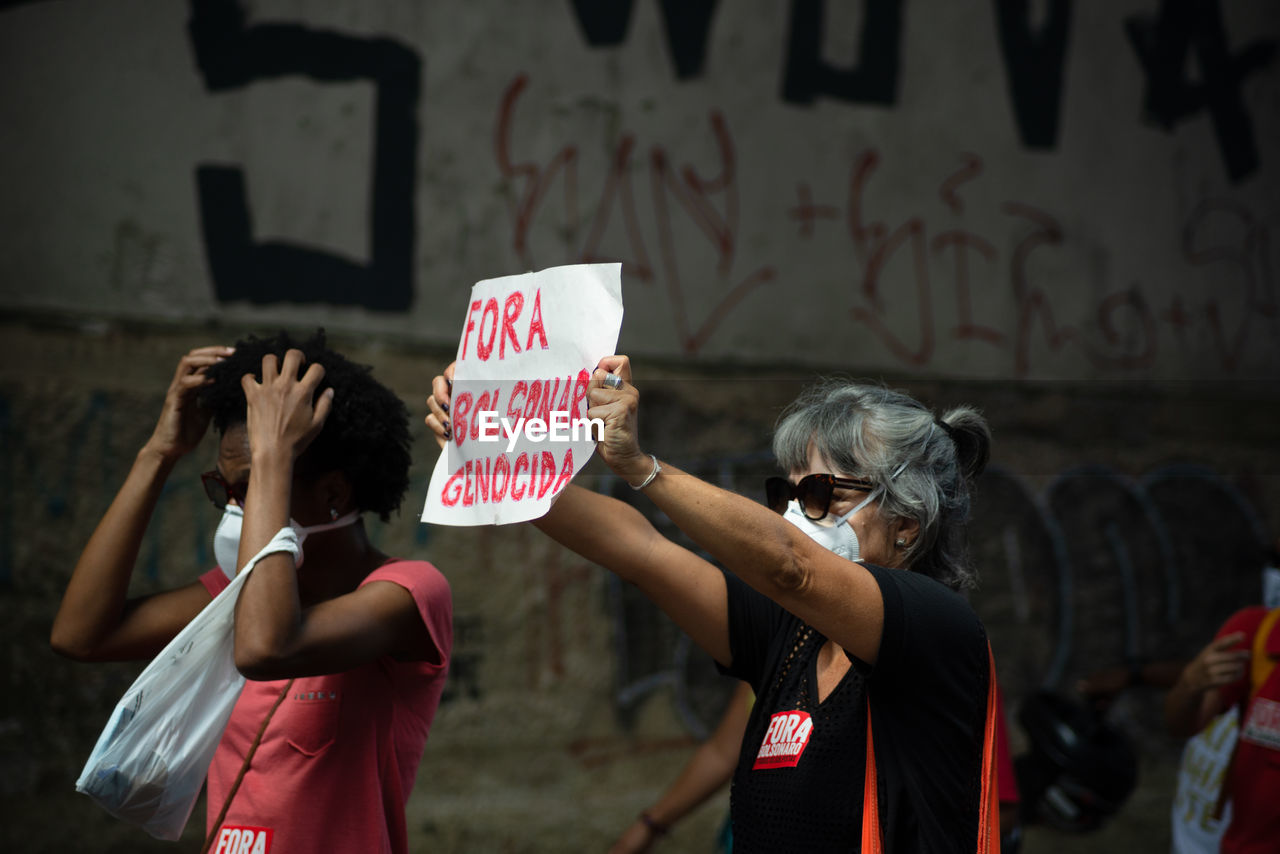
<point x="613" y="381"/>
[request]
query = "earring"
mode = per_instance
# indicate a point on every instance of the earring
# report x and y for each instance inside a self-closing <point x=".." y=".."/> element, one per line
<point x="333" y="512"/>
<point x="900" y="543"/>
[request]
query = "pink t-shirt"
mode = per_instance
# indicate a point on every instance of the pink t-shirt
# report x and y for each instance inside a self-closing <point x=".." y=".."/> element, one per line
<point x="337" y="762"/>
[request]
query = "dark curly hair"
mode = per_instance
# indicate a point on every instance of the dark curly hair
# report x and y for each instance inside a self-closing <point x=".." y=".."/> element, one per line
<point x="366" y="435"/>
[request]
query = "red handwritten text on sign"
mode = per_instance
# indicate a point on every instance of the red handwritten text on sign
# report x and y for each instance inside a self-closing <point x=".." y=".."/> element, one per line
<point x="483" y="319"/>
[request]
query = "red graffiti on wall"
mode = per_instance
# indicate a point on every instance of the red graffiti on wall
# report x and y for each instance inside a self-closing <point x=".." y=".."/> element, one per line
<point x="1242" y="258"/>
<point x="923" y="285"/>
<point x="1119" y="331"/>
<point x="709" y="203"/>
<point x="1123" y="333"/>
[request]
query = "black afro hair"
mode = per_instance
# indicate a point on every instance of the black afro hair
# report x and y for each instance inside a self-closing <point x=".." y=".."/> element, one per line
<point x="366" y="435"/>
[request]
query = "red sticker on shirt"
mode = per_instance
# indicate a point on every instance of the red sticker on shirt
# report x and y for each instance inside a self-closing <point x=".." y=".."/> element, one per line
<point x="785" y="740"/>
<point x="1263" y="724"/>
<point x="243" y="840"/>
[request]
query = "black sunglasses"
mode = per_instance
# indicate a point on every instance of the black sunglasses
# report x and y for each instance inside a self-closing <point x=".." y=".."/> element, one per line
<point x="220" y="492"/>
<point x="812" y="491"/>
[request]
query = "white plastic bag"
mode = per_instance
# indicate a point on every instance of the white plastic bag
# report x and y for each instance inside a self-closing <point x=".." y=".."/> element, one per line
<point x="154" y="753"/>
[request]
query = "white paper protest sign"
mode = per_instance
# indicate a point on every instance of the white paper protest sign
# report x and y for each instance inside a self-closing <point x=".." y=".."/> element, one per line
<point x="519" y="401"/>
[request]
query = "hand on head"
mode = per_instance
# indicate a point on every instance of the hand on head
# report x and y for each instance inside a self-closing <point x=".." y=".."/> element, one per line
<point x="281" y="415"/>
<point x="182" y="421"/>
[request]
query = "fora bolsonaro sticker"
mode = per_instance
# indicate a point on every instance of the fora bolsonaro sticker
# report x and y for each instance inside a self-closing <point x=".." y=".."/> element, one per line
<point x="243" y="840"/>
<point x="785" y="740"/>
<point x="1263" y="724"/>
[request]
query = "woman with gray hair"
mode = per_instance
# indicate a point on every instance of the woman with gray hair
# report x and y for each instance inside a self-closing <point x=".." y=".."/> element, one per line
<point x="921" y="466"/>
<point x="873" y="722"/>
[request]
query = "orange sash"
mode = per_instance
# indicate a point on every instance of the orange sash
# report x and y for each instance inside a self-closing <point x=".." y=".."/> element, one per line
<point x="989" y="803"/>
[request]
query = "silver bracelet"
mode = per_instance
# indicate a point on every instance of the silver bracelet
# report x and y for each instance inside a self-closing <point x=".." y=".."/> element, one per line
<point x="648" y="480"/>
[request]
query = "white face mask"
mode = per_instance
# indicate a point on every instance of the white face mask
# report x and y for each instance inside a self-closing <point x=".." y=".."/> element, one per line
<point x="838" y="538"/>
<point x="226" y="540"/>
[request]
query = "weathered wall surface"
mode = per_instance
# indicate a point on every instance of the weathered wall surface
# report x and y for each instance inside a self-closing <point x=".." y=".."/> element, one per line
<point x="1026" y="189"/>
<point x="1063" y="213"/>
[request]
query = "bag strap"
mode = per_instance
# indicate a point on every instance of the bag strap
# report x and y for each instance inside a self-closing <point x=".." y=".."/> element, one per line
<point x="988" y="802"/>
<point x="1261" y="664"/>
<point x="244" y="767"/>
<point x="285" y="540"/>
<point x="871" y="843"/>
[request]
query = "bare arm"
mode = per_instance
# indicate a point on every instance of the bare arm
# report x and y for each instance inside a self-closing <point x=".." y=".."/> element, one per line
<point x="608" y="532"/>
<point x="1101" y="687"/>
<point x="94" y="621"/>
<point x="709" y="768"/>
<point x="275" y="639"/>
<point x="1196" y="698"/>
<point x="838" y="597"/>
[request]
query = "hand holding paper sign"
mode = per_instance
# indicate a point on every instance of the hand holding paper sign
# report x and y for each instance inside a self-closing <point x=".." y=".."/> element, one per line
<point x="516" y="428"/>
<point x="618" y="409"/>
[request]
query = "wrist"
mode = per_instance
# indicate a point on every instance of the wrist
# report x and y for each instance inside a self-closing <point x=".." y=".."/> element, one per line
<point x="642" y="471"/>
<point x="153" y="454"/>
<point x="275" y="457"/>
<point x="657" y="828"/>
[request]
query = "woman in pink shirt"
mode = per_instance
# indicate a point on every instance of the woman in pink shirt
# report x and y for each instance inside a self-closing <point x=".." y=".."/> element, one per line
<point x="345" y="650"/>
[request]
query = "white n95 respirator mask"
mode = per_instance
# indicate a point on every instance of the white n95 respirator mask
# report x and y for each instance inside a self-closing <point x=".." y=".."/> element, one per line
<point x="226" y="539"/>
<point x="838" y="538"/>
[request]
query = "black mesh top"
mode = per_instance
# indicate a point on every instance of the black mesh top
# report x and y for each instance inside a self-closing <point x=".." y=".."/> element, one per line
<point x="798" y="785"/>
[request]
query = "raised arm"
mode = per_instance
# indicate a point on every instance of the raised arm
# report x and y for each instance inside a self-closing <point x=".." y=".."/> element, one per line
<point x="838" y="597"/>
<point x="613" y="534"/>
<point x="94" y="621"/>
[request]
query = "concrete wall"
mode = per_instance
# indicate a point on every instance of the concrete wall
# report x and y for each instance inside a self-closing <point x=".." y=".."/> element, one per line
<point x="1039" y="189"/>
<point x="1033" y="221"/>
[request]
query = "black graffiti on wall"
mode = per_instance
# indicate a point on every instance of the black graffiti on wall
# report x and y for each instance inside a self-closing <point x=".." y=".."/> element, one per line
<point x="1165" y="44"/>
<point x="230" y="54"/>
<point x="1033" y="50"/>
<point x="1034" y="64"/>
<point x="1095" y="570"/>
<point x="686" y="24"/>
<point x="873" y="79"/>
